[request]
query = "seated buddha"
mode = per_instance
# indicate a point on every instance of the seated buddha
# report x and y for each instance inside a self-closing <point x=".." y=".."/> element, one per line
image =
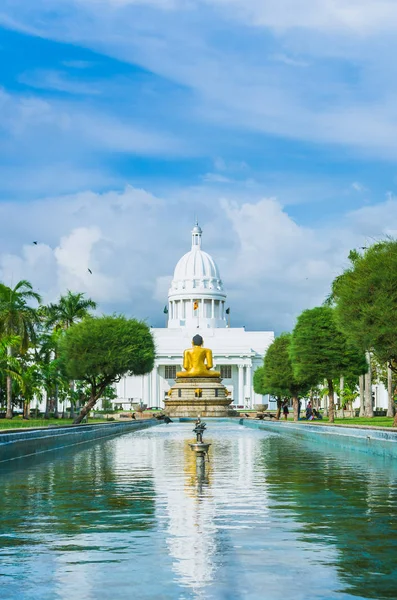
<point x="197" y="361"/>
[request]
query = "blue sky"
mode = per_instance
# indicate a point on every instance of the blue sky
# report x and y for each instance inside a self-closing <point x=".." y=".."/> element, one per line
<point x="122" y="119"/>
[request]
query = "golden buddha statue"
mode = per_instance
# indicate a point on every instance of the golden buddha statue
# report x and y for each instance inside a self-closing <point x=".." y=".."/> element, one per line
<point x="197" y="361"/>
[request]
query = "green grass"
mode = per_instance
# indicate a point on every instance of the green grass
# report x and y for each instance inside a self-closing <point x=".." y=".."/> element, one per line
<point x="17" y="422"/>
<point x="375" y="421"/>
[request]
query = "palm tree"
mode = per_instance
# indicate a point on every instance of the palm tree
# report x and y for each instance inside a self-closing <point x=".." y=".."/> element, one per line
<point x="29" y="379"/>
<point x="70" y="309"/>
<point x="17" y="318"/>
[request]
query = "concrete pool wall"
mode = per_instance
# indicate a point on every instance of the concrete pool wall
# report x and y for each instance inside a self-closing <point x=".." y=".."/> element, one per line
<point x="364" y="439"/>
<point x="19" y="443"/>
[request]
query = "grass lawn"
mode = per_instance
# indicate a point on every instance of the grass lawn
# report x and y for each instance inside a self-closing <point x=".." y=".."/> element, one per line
<point x="17" y="422"/>
<point x="375" y="421"/>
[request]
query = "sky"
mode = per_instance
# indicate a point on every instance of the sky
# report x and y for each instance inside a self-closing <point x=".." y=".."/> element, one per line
<point x="275" y="123"/>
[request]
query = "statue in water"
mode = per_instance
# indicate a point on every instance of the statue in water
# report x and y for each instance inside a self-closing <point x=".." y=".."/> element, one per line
<point x="197" y="361"/>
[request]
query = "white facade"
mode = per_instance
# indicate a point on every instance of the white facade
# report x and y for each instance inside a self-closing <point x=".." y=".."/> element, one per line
<point x="197" y="304"/>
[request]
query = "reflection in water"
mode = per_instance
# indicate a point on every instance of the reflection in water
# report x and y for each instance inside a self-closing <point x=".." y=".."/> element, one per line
<point x="128" y="518"/>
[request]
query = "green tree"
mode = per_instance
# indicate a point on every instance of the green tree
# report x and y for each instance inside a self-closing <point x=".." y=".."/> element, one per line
<point x="365" y="298"/>
<point x="100" y="350"/>
<point x="29" y="381"/>
<point x="70" y="309"/>
<point x="258" y="382"/>
<point x="279" y="378"/>
<point x="17" y="318"/>
<point x="319" y="350"/>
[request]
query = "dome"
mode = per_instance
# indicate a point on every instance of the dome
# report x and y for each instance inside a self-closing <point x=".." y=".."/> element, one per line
<point x="196" y="269"/>
<point x="197" y="265"/>
<point x="196" y="297"/>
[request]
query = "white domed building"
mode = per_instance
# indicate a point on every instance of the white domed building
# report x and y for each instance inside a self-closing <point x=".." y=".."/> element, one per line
<point x="197" y="303"/>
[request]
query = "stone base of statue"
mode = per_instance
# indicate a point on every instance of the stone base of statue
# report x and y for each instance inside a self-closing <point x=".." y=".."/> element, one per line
<point x="193" y="396"/>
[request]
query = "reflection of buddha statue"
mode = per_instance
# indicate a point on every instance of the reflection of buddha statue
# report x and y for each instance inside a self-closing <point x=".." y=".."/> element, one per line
<point x="197" y="361"/>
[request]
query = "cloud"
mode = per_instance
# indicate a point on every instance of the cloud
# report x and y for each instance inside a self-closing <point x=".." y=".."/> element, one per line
<point x="215" y="178"/>
<point x="56" y="80"/>
<point x="24" y="115"/>
<point x="359" y="16"/>
<point x="50" y="146"/>
<point x="272" y="266"/>
<point x="345" y="96"/>
<point x="358" y="187"/>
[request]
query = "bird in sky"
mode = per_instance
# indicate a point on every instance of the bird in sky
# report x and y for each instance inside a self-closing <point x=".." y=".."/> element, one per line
<point x="35" y="243"/>
<point x="90" y="272"/>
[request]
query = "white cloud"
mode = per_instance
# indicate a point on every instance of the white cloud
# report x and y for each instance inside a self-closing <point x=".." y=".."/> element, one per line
<point x="56" y="80"/>
<point x="215" y="178"/>
<point x="131" y="240"/>
<point x="360" y="16"/>
<point x="345" y="95"/>
<point x="79" y="125"/>
<point x="358" y="187"/>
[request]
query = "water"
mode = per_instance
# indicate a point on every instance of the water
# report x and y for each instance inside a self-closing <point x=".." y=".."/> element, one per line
<point x="125" y="518"/>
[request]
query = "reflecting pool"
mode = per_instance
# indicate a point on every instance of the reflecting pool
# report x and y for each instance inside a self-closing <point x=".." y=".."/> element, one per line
<point x="275" y="518"/>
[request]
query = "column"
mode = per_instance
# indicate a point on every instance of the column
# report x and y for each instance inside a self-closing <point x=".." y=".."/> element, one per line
<point x="212" y="308"/>
<point x="240" y="399"/>
<point x="146" y="389"/>
<point x="248" y="384"/>
<point x="154" y="401"/>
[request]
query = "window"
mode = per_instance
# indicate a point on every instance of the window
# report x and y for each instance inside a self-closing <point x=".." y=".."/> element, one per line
<point x="216" y="309"/>
<point x="226" y="371"/>
<point x="179" y="393"/>
<point x="170" y="371"/>
<point x="216" y="392"/>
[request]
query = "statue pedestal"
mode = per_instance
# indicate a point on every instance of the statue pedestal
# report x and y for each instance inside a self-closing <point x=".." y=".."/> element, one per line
<point x="193" y="396"/>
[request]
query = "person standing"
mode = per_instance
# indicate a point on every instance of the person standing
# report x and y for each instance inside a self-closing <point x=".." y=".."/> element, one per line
<point x="299" y="409"/>
<point x="285" y="410"/>
<point x="309" y="411"/>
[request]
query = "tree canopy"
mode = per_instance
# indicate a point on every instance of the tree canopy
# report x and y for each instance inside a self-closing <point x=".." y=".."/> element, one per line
<point x="279" y="378"/>
<point x="319" y="350"/>
<point x="365" y="298"/>
<point x="70" y="309"/>
<point x="100" y="350"/>
<point x="17" y="319"/>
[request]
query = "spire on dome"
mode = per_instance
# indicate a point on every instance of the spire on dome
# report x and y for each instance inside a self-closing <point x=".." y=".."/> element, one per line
<point x="196" y="236"/>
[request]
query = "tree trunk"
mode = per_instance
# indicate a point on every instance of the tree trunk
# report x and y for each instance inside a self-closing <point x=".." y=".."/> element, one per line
<point x="9" y="390"/>
<point x="278" y="413"/>
<point x="369" y="411"/>
<point x="342" y="389"/>
<point x="390" y="398"/>
<point x="331" y="405"/>
<point x="362" y="396"/>
<point x="47" y="404"/>
<point x="87" y="407"/>
<point x="56" y="413"/>
<point x="295" y="401"/>
<point x="325" y="400"/>
<point x="26" y="409"/>
<point x="72" y="413"/>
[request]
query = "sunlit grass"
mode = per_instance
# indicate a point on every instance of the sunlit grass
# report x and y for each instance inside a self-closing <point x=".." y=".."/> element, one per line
<point x="18" y="422"/>
<point x="374" y="422"/>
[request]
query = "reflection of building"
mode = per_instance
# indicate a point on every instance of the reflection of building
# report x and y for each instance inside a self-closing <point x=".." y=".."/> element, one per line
<point x="201" y="523"/>
<point x="197" y="304"/>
